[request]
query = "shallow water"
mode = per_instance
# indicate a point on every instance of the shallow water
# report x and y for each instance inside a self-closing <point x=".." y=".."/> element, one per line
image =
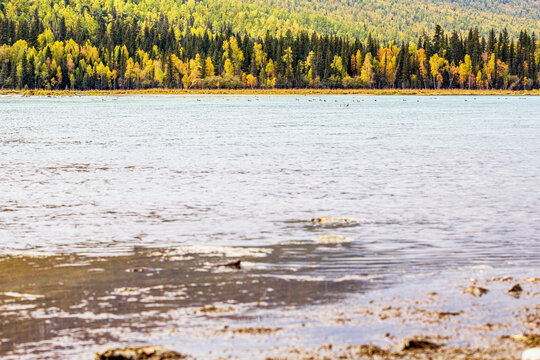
<point x="92" y="187"/>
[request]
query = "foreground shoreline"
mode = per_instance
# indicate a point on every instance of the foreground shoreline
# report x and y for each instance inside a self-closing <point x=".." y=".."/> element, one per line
<point x="157" y="91"/>
<point x="471" y="312"/>
<point x="483" y="317"/>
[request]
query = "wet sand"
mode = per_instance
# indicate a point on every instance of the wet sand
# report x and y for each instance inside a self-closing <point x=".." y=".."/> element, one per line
<point x="449" y="323"/>
<point x="77" y="306"/>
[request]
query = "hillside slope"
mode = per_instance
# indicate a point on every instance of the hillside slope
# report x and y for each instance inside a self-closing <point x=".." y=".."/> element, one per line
<point x="386" y="19"/>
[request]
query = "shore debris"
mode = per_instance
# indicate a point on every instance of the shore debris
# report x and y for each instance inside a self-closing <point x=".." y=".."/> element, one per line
<point x="331" y="220"/>
<point x="370" y="351"/>
<point x="476" y="291"/>
<point x="419" y="344"/>
<point x="140" y="353"/>
<point x="503" y="278"/>
<point x="214" y="309"/>
<point x="256" y="331"/>
<point x="236" y="264"/>
<point x="528" y="339"/>
<point x="445" y="314"/>
<point x="531" y="354"/>
<point x="515" y="290"/>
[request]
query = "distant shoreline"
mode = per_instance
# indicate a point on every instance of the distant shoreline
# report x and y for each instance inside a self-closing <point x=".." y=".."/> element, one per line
<point x="157" y="91"/>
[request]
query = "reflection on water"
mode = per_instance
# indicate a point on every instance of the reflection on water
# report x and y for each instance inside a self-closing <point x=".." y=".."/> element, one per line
<point x="114" y="214"/>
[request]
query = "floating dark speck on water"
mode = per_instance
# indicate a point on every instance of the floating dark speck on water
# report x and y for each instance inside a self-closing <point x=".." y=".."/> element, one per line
<point x="142" y="270"/>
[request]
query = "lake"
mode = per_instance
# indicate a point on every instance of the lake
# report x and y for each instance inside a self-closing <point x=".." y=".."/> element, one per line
<point x="116" y="214"/>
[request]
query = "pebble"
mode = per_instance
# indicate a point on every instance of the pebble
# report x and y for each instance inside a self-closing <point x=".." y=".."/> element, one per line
<point x="531" y="354"/>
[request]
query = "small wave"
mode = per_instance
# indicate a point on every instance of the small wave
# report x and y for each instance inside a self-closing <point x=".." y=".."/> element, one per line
<point x="258" y="266"/>
<point x="30" y="297"/>
<point x="315" y="278"/>
<point x="301" y="277"/>
<point x="72" y="264"/>
<point x="476" y="267"/>
<point x="227" y="251"/>
<point x="28" y="254"/>
<point x="332" y="239"/>
<point x="357" y="277"/>
<point x="130" y="291"/>
<point x="16" y="307"/>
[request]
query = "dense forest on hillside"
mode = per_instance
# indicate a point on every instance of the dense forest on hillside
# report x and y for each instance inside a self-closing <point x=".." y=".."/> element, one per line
<point x="386" y="20"/>
<point x="51" y="52"/>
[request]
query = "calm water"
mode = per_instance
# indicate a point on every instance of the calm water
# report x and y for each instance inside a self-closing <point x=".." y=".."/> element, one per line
<point x="91" y="187"/>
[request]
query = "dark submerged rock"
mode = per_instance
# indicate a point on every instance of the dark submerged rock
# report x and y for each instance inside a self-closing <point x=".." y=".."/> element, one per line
<point x="419" y="344"/>
<point x="235" y="264"/>
<point x="515" y="290"/>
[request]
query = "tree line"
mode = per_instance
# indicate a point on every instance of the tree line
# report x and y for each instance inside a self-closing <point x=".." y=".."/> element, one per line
<point x="127" y="54"/>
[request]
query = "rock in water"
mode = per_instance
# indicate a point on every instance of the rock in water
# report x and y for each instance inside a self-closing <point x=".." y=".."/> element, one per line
<point x="531" y="354"/>
<point x="419" y="344"/>
<point x="515" y="290"/>
<point x="335" y="220"/>
<point x="237" y="264"/>
<point x="476" y="291"/>
<point x="139" y="353"/>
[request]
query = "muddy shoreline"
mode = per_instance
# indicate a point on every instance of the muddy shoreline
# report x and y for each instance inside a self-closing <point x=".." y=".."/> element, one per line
<point x="195" y="303"/>
<point x="462" y="334"/>
<point x="500" y="323"/>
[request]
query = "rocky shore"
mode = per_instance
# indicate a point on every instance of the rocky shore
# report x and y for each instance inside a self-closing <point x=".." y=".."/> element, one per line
<point x="493" y="318"/>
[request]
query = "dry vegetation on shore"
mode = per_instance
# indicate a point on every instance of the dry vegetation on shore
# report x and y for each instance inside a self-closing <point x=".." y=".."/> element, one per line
<point x="157" y="91"/>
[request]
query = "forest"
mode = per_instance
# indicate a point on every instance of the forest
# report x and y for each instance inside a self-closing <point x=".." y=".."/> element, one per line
<point x="39" y="52"/>
<point x="385" y="20"/>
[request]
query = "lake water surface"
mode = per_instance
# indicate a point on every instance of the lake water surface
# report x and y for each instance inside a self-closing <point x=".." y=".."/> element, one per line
<point x="114" y="211"/>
